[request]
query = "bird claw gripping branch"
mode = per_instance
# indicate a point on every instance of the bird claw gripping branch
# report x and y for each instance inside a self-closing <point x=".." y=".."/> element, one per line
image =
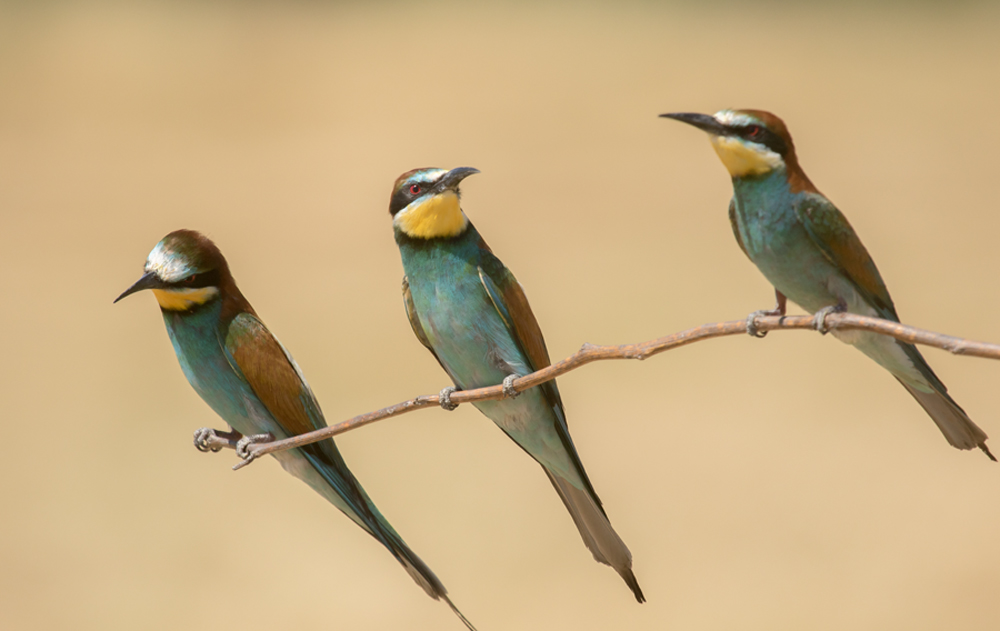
<point x="444" y="398"/>
<point x="242" y="447"/>
<point x="202" y="439"/>
<point x="752" y="329"/>
<point x="508" y="386"/>
<point x="819" y="319"/>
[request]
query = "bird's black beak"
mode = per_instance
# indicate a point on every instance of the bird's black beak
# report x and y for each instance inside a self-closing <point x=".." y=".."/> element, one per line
<point x="451" y="179"/>
<point x="703" y="122"/>
<point x="149" y="280"/>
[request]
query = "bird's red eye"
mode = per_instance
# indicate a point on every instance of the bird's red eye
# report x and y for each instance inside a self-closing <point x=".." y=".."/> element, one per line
<point x="190" y="279"/>
<point x="754" y="131"/>
<point x="415" y="189"/>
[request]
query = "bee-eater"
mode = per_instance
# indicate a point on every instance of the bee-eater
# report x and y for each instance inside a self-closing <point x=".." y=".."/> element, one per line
<point x="244" y="373"/>
<point x="467" y="308"/>
<point x="806" y="248"/>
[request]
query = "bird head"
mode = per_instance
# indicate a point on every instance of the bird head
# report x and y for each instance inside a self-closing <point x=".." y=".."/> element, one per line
<point x="749" y="142"/>
<point x="184" y="270"/>
<point x="425" y="203"/>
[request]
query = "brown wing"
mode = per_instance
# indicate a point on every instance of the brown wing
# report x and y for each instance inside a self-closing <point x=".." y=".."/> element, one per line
<point x="831" y="231"/>
<point x="513" y="307"/>
<point x="273" y="375"/>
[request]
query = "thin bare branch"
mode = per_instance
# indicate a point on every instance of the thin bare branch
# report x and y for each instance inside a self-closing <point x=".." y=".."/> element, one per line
<point x="591" y="353"/>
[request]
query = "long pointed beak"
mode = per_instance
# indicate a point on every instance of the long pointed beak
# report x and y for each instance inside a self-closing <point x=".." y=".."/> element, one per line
<point x="149" y="280"/>
<point x="703" y="122"/>
<point x="452" y="178"/>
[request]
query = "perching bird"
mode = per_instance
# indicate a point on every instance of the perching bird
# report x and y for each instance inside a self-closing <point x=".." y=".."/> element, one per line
<point x="244" y="373"/>
<point x="806" y="248"/>
<point x="468" y="309"/>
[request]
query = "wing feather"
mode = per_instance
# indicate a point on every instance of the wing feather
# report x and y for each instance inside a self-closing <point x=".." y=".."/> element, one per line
<point x="273" y="375"/>
<point x="736" y="226"/>
<point x="411" y="315"/>
<point x="831" y="231"/>
<point x="280" y="385"/>
<point x="512" y="305"/>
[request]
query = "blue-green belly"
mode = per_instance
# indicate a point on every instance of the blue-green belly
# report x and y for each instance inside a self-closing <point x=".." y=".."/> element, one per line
<point x="473" y="343"/>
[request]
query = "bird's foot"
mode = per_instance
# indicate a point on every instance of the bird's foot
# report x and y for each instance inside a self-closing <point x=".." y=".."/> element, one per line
<point x="444" y="398"/>
<point x="508" y="386"/>
<point x="819" y="319"/>
<point x="243" y="446"/>
<point x="752" y="329"/>
<point x="201" y="439"/>
<point x="780" y="304"/>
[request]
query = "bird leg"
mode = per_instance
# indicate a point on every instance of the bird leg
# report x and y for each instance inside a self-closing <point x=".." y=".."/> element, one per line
<point x="444" y="398"/>
<point x="508" y="386"/>
<point x="203" y="438"/>
<point x="778" y="310"/>
<point x="244" y="444"/>
<point x="819" y="319"/>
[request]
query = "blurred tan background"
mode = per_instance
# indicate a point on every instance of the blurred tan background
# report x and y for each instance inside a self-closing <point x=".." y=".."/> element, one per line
<point x="787" y="483"/>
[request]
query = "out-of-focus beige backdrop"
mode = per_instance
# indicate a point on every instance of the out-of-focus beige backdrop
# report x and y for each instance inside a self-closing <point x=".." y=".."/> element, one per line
<point x="785" y="483"/>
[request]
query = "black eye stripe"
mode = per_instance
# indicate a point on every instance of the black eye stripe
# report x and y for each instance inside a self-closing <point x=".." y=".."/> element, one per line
<point x="202" y="279"/>
<point x="763" y="136"/>
<point x="402" y="198"/>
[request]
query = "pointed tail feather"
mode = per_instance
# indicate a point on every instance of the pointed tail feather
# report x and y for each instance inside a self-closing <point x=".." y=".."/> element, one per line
<point x="355" y="503"/>
<point x="458" y="613"/>
<point x="596" y="531"/>
<point x="418" y="570"/>
<point x="951" y="419"/>
<point x="424" y="577"/>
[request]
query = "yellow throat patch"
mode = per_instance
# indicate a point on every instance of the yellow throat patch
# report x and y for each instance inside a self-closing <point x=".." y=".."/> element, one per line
<point x="184" y="299"/>
<point x="744" y="161"/>
<point x="439" y="216"/>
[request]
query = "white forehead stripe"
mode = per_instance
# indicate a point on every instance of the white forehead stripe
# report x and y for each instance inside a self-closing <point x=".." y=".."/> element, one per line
<point x="168" y="268"/>
<point x="731" y="117"/>
<point x="434" y="174"/>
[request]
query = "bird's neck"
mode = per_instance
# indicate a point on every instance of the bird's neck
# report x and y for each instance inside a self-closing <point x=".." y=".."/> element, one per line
<point x="762" y="195"/>
<point x="438" y="254"/>
<point x="194" y="328"/>
<point x="467" y="234"/>
<point x="216" y="305"/>
<point x="773" y="181"/>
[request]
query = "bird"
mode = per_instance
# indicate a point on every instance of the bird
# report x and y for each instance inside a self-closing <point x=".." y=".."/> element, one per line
<point x="247" y="377"/>
<point x="809" y="252"/>
<point x="470" y="312"/>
